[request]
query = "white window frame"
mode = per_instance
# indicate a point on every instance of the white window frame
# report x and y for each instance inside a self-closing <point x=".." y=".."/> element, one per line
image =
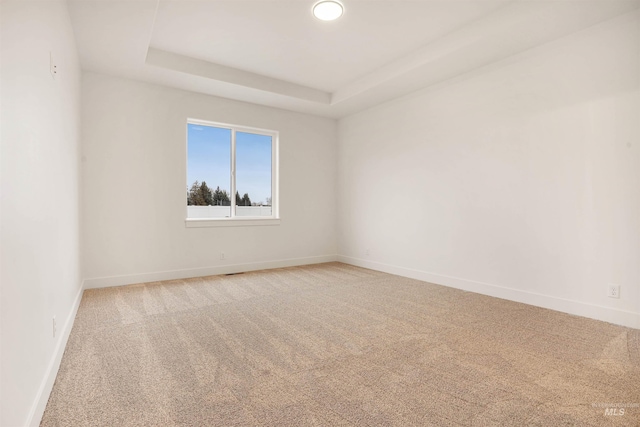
<point x="234" y="221"/>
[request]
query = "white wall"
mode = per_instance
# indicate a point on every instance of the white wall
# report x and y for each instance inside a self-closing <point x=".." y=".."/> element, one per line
<point x="521" y="180"/>
<point x="134" y="169"/>
<point x="39" y="233"/>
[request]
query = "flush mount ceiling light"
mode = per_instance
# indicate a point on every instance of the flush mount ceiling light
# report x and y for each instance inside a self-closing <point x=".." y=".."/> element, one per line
<point x="328" y="10"/>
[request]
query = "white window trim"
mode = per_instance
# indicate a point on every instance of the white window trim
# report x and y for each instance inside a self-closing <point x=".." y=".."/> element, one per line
<point x="234" y="221"/>
<point x="230" y="222"/>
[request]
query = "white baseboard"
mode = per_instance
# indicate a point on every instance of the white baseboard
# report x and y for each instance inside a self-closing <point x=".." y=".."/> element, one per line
<point x="612" y="315"/>
<point x="106" y="282"/>
<point x="42" y="397"/>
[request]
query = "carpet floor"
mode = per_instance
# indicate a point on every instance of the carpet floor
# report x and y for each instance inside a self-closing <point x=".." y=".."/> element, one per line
<point x="337" y="345"/>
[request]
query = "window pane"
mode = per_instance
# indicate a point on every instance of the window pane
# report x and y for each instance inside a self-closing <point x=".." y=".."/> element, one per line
<point x="253" y="174"/>
<point x="208" y="172"/>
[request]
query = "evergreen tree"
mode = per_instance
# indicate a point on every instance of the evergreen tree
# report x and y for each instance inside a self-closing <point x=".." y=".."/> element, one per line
<point x="246" y="201"/>
<point x="200" y="194"/>
<point x="221" y="198"/>
<point x="189" y="201"/>
<point x="205" y="194"/>
<point x="195" y="195"/>
<point x="216" y="196"/>
<point x="224" y="196"/>
<point x="238" y="199"/>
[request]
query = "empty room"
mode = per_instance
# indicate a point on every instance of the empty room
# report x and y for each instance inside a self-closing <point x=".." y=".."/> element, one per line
<point x="319" y="213"/>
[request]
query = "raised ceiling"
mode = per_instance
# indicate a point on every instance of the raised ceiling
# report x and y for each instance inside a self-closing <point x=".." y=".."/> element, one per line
<point x="276" y="53"/>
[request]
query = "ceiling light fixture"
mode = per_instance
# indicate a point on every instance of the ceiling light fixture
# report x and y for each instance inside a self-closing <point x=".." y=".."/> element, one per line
<point x="328" y="10"/>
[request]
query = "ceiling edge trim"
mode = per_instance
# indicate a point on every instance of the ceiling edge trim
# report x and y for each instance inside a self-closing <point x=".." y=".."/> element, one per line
<point x="210" y="70"/>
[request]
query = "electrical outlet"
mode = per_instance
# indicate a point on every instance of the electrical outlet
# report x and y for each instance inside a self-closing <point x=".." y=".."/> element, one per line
<point x="221" y="255"/>
<point x="55" y="326"/>
<point x="53" y="68"/>
<point x="613" y="291"/>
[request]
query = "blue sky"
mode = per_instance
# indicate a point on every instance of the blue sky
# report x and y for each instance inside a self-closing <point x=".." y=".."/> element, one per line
<point x="208" y="159"/>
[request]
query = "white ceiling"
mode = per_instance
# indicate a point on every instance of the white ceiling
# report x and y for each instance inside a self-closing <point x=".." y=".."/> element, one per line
<point x="284" y="40"/>
<point x="276" y="53"/>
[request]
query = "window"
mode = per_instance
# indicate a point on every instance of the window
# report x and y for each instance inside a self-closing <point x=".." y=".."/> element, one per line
<point x="231" y="175"/>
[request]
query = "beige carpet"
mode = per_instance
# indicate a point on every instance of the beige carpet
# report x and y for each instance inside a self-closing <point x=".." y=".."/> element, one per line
<point x="335" y="345"/>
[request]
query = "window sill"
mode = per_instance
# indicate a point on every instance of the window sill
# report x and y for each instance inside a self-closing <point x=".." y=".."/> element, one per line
<point x="227" y="222"/>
